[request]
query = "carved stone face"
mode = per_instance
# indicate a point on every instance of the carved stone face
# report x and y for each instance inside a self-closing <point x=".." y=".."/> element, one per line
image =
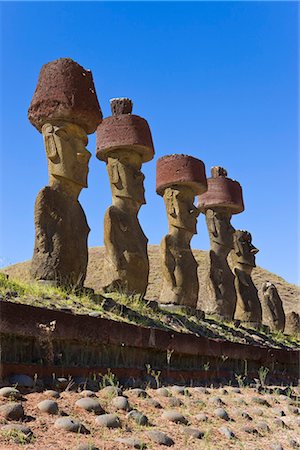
<point x="182" y="213"/>
<point x="126" y="178"/>
<point x="219" y="227"/>
<point x="65" y="148"/>
<point x="244" y="249"/>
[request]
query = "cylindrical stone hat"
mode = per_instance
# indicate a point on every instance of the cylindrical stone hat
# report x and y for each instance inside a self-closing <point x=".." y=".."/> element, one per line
<point x="180" y="170"/>
<point x="222" y="192"/>
<point x="124" y="131"/>
<point x="65" y="91"/>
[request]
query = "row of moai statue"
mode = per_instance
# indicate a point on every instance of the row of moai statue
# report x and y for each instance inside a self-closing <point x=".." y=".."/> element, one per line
<point x="65" y="109"/>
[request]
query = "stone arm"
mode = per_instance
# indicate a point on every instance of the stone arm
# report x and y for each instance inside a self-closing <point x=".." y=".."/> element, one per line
<point x="46" y="221"/>
<point x="168" y="262"/>
<point x="113" y="238"/>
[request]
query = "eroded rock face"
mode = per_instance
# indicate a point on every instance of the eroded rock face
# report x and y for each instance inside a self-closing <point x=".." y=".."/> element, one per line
<point x="248" y="307"/>
<point x="124" y="142"/>
<point x="222" y="199"/>
<point x="64" y="108"/>
<point x="273" y="313"/>
<point x="292" y="324"/>
<point x="179" y="178"/>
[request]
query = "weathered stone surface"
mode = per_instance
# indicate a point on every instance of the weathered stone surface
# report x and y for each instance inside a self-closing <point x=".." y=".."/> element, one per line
<point x="227" y="432"/>
<point x="48" y="406"/>
<point x="111" y="391"/>
<point x="16" y="427"/>
<point x="163" y="392"/>
<point x="248" y="307"/>
<point x="60" y="252"/>
<point x="108" y="420"/>
<point x="51" y="393"/>
<point x="87" y="393"/>
<point x="221" y="413"/>
<point x="159" y="438"/>
<point x="10" y="392"/>
<point x="120" y="106"/>
<point x="292" y="324"/>
<point x="124" y="142"/>
<point x="120" y="403"/>
<point x="178" y="179"/>
<point x="201" y="417"/>
<point x="222" y="199"/>
<point x="65" y="91"/>
<point x="175" y="402"/>
<point x="21" y="380"/>
<point x="138" y="417"/>
<point x="131" y="442"/>
<point x="193" y="433"/>
<point x="139" y="392"/>
<point x="153" y="402"/>
<point x="89" y="404"/>
<point x="174" y="416"/>
<point x="12" y="411"/>
<point x="272" y="309"/>
<point x="180" y="390"/>
<point x="87" y="446"/>
<point x="70" y="424"/>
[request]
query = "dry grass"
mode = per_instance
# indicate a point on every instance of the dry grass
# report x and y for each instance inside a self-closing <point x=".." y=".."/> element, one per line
<point x="47" y="437"/>
<point x="290" y="293"/>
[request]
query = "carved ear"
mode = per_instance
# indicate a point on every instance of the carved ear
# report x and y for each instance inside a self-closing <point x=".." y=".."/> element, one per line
<point x="50" y="144"/>
<point x="212" y="223"/>
<point x="114" y="174"/>
<point x="171" y="202"/>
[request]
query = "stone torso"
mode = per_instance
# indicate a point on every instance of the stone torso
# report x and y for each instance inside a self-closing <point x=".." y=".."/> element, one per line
<point x="248" y="307"/>
<point x="126" y="259"/>
<point x="180" y="281"/>
<point x="60" y="252"/>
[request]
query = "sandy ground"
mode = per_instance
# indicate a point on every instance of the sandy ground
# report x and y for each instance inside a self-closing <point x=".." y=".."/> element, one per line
<point x="46" y="436"/>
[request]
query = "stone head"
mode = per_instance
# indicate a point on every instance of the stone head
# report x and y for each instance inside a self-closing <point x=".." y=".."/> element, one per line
<point x="126" y="178"/>
<point x="182" y="213"/>
<point x="65" y="145"/>
<point x="269" y="290"/>
<point x="244" y="249"/>
<point x="219" y="227"/>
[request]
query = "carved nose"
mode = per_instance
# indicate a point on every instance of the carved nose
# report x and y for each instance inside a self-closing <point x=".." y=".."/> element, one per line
<point x="254" y="250"/>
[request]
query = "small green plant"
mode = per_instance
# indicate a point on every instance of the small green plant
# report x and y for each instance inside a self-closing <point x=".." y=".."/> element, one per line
<point x="262" y="375"/>
<point x="154" y="374"/>
<point x="206" y="366"/>
<point x="108" y="379"/>
<point x="18" y="437"/>
<point x="240" y="380"/>
<point x="169" y="356"/>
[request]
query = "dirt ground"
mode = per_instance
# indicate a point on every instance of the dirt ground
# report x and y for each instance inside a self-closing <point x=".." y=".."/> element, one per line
<point x="47" y="437"/>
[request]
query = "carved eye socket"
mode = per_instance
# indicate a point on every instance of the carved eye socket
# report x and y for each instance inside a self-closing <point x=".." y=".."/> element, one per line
<point x="62" y="134"/>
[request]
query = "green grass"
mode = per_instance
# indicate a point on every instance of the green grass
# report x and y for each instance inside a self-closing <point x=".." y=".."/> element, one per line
<point x="134" y="309"/>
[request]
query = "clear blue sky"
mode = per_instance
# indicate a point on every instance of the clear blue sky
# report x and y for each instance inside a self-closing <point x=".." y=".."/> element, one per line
<point x="214" y="80"/>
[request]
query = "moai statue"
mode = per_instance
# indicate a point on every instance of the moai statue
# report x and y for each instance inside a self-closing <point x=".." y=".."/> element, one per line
<point x="178" y="179"/>
<point x="272" y="309"/>
<point x="248" y="307"/>
<point x="292" y="324"/>
<point x="64" y="108"/>
<point x="222" y="199"/>
<point x="124" y="142"/>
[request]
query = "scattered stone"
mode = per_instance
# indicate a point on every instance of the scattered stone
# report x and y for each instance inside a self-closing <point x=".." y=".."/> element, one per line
<point x="263" y="427"/>
<point x="131" y="442"/>
<point x="120" y="402"/>
<point x="277" y="447"/>
<point x="154" y="403"/>
<point x="52" y="393"/>
<point x="174" y="416"/>
<point x="86" y="447"/>
<point x="260" y="401"/>
<point x="12" y="411"/>
<point x="70" y="424"/>
<point x="139" y="392"/>
<point x="227" y="432"/>
<point x="163" y="392"/>
<point x="216" y="401"/>
<point x="258" y="412"/>
<point x="10" y="392"/>
<point x="159" y="438"/>
<point x="179" y="389"/>
<point x="89" y="404"/>
<point x="279" y="423"/>
<point x="62" y="382"/>
<point x="175" y="402"/>
<point x="293" y="443"/>
<point x="240" y="401"/>
<point x="21" y="380"/>
<point x="111" y="391"/>
<point x="221" y="413"/>
<point x="201" y="417"/>
<point x="224" y="392"/>
<point x="19" y="433"/>
<point x="278" y="412"/>
<point x="202" y="390"/>
<point x="250" y="430"/>
<point x="108" y="420"/>
<point x="94" y="314"/>
<point x="87" y="393"/>
<point x="293" y="409"/>
<point x="236" y="390"/>
<point x="246" y="416"/>
<point x="17" y="427"/>
<point x="138" y="417"/>
<point x="193" y="432"/>
<point x="48" y="406"/>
